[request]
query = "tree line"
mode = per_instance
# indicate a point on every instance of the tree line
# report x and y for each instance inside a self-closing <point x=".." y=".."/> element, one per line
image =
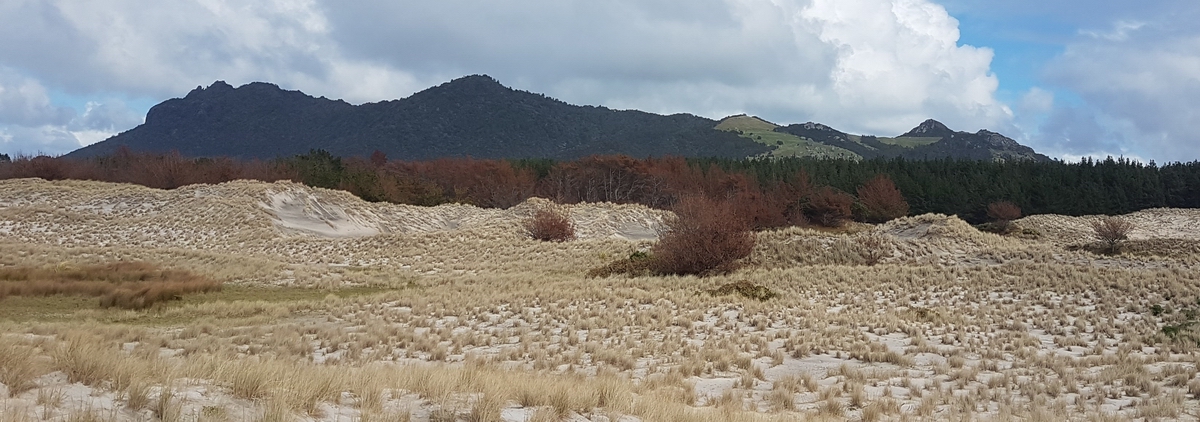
<point x="766" y="192"/>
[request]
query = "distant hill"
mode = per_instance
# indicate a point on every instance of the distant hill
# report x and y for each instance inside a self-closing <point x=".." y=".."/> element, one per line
<point x="476" y="116"/>
<point x="929" y="140"/>
<point x="472" y="116"/>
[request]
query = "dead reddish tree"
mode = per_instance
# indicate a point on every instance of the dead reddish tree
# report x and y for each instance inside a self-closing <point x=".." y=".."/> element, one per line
<point x="880" y="200"/>
<point x="1003" y="213"/>
<point x="599" y="178"/>
<point x="829" y="207"/>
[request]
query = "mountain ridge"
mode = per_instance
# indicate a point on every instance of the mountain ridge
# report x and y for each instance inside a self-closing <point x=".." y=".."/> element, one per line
<point x="477" y="116"/>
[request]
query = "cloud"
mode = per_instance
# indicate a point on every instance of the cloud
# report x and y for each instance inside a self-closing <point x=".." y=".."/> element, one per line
<point x="40" y="140"/>
<point x="1036" y="101"/>
<point x="900" y="61"/>
<point x="24" y="101"/>
<point x="31" y="124"/>
<point x="861" y="65"/>
<point x="1143" y="85"/>
<point x="1119" y="32"/>
<point x="868" y="66"/>
<point x="161" y="49"/>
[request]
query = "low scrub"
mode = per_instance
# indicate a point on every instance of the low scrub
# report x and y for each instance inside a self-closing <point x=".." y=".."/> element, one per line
<point x="550" y="226"/>
<point x="705" y="237"/>
<point x="1112" y="231"/>
<point x="1002" y="214"/>
<point x="127" y="285"/>
<point x="638" y="264"/>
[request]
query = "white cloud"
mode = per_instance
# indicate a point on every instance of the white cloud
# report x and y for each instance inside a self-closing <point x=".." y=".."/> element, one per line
<point x="40" y="140"/>
<point x="1144" y="87"/>
<point x="25" y="101"/>
<point x="1119" y="32"/>
<point x="1036" y="101"/>
<point x="899" y="63"/>
<point x="31" y="124"/>
<point x="870" y="66"/>
<point x="163" y="48"/>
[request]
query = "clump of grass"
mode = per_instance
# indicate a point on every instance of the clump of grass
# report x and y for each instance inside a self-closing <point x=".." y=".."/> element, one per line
<point x="745" y="289"/>
<point x="127" y="285"/>
<point x="17" y="369"/>
<point x="638" y="264"/>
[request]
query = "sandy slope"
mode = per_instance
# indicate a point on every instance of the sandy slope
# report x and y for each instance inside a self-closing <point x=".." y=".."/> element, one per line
<point x="949" y="314"/>
<point x="209" y="216"/>
<point x="1157" y="223"/>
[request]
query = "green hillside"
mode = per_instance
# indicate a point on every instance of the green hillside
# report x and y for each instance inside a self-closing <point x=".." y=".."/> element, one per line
<point x="904" y="141"/>
<point x="784" y="144"/>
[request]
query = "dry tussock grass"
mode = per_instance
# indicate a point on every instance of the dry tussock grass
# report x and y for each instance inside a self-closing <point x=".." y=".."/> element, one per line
<point x="127" y="285"/>
<point x="952" y="324"/>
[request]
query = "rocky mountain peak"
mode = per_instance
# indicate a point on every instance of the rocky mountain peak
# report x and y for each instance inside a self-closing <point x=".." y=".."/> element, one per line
<point x="931" y="129"/>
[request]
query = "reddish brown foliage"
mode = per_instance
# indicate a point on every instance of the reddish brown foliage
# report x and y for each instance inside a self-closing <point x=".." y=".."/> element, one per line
<point x="657" y="183"/>
<point x="829" y="207"/>
<point x="129" y="285"/>
<point x="484" y="183"/>
<point x="617" y="179"/>
<point x="880" y="200"/>
<point x="1003" y="211"/>
<point x="162" y="171"/>
<point x="378" y="158"/>
<point x="706" y="237"/>
<point x="550" y="226"/>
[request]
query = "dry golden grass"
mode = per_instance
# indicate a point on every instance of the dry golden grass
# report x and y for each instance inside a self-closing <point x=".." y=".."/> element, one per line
<point x="127" y="285"/>
<point x="951" y="324"/>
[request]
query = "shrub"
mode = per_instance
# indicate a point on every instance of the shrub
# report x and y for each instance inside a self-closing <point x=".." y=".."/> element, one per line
<point x="880" y="201"/>
<point x="550" y="226"/>
<point x="829" y="207"/>
<point x="705" y="237"/>
<point x="1003" y="213"/>
<point x="1111" y="231"/>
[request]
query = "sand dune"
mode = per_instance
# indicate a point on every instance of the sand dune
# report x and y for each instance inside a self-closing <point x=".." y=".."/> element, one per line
<point x="470" y="319"/>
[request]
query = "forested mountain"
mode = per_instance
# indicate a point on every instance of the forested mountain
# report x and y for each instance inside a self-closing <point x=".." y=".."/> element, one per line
<point x="473" y="116"/>
<point x="476" y="116"/>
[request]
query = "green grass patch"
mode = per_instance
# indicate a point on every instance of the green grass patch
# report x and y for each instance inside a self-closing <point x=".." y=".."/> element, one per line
<point x="906" y="141"/>
<point x="785" y="144"/>
<point x="44" y="308"/>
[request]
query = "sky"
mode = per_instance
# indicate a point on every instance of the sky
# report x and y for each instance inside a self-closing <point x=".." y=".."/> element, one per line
<point x="1070" y="78"/>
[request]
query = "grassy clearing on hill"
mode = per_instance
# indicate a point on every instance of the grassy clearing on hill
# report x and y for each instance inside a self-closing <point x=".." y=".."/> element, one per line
<point x="786" y="144"/>
<point x="906" y="141"/>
